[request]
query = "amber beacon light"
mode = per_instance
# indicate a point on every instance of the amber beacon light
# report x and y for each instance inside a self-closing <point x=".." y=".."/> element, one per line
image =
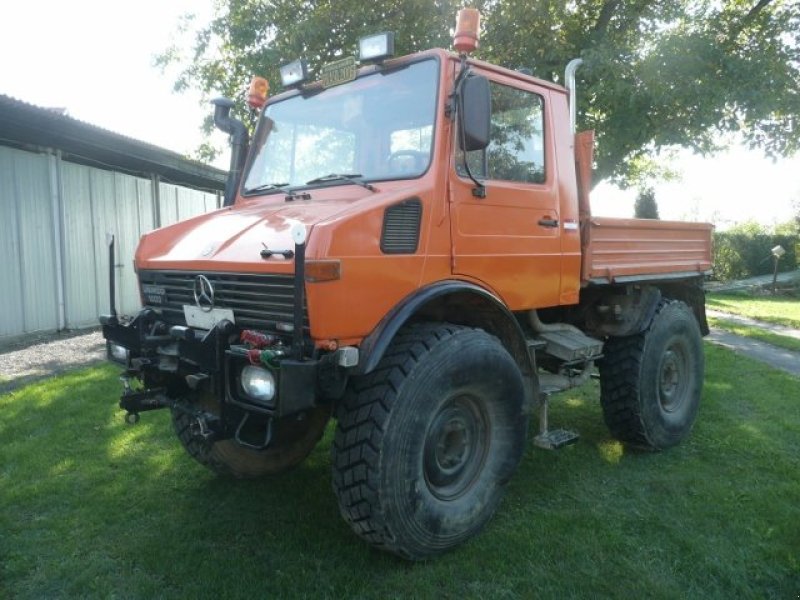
<point x="257" y="95"/>
<point x="468" y="28"/>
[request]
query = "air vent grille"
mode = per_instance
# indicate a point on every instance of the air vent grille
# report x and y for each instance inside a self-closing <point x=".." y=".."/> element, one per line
<point x="400" y="233"/>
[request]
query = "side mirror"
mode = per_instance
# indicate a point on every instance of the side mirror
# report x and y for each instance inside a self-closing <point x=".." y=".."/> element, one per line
<point x="475" y="109"/>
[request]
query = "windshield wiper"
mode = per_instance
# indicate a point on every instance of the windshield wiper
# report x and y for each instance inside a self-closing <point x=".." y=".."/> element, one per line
<point x="265" y="187"/>
<point x="351" y="177"/>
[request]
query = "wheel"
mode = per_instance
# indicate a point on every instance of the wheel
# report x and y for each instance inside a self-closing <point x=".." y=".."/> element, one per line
<point x="650" y="383"/>
<point x="425" y="444"/>
<point x="293" y="440"/>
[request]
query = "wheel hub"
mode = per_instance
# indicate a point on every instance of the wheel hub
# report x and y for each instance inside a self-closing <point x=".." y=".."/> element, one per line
<point x="455" y="447"/>
<point x="672" y="378"/>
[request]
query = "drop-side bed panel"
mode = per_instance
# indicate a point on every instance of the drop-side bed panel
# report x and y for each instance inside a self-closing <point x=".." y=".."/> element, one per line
<point x="618" y="250"/>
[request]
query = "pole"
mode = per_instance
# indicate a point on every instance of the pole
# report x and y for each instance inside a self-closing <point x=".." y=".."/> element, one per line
<point x="775" y="275"/>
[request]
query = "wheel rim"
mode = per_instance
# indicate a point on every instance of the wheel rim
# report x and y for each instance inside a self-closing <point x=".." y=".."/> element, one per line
<point x="456" y="445"/>
<point x="673" y="377"/>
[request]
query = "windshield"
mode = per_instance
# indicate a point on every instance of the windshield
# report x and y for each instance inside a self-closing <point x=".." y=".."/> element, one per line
<point x="379" y="126"/>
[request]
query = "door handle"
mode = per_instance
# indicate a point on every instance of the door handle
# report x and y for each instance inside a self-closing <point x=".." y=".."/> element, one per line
<point x="548" y="222"/>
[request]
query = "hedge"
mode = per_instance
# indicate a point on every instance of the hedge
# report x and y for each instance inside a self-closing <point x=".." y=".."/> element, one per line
<point x="740" y="255"/>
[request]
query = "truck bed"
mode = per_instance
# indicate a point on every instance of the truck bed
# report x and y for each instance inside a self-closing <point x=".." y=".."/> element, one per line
<point x="626" y="250"/>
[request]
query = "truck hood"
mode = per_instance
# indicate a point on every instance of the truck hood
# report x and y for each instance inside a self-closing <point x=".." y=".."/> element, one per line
<point x="229" y="237"/>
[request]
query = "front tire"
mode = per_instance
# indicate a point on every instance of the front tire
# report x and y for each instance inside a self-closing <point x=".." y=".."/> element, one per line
<point x="294" y="439"/>
<point x="651" y="382"/>
<point x="426" y="443"/>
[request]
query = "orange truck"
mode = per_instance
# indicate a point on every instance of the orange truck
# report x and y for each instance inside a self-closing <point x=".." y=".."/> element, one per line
<point x="407" y="245"/>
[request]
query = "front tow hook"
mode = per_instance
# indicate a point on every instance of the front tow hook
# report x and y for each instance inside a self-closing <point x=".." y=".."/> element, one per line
<point x="200" y="428"/>
<point x="133" y="402"/>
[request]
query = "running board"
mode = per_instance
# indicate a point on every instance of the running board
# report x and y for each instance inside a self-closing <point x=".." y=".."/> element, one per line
<point x="551" y="439"/>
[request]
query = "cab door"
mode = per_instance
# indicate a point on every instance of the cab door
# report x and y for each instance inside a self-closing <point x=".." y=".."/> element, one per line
<point x="510" y="239"/>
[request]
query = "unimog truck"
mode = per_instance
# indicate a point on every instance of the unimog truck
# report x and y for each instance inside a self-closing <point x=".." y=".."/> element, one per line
<point x="407" y="245"/>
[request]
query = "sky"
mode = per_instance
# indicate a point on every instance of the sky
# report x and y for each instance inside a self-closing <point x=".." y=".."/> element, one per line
<point x="96" y="59"/>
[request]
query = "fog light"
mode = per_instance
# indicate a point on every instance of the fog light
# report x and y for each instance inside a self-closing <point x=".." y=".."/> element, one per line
<point x="258" y="383"/>
<point x="118" y="353"/>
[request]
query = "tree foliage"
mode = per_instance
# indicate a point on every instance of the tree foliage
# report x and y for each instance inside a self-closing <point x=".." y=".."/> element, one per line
<point x="646" y="206"/>
<point x="657" y="74"/>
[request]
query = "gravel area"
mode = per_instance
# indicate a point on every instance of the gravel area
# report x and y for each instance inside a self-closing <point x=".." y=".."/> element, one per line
<point x="45" y="356"/>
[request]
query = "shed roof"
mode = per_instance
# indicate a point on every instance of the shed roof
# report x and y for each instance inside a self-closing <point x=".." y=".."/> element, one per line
<point x="25" y="125"/>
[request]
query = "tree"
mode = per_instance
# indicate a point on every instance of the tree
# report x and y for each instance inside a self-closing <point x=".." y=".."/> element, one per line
<point x="656" y="74"/>
<point x="646" y="206"/>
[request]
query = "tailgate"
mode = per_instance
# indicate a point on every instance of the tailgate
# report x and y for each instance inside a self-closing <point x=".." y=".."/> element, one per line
<point x="640" y="249"/>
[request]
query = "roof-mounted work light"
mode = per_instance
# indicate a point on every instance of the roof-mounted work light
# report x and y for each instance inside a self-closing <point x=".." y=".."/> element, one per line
<point x="294" y="73"/>
<point x="468" y="30"/>
<point x="376" y="47"/>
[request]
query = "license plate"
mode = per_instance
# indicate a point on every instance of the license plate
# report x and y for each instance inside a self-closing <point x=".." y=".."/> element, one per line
<point x="338" y="72"/>
<point x="201" y="319"/>
<point x="154" y="294"/>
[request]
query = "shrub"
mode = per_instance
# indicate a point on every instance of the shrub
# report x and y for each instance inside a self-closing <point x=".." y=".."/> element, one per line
<point x="745" y="251"/>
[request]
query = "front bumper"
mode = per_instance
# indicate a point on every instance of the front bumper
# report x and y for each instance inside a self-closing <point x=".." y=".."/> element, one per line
<point x="178" y="365"/>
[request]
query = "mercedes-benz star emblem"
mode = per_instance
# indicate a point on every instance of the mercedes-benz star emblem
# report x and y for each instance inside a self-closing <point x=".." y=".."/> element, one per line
<point x="203" y="293"/>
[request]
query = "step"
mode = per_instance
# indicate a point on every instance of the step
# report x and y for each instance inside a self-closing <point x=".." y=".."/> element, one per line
<point x="571" y="346"/>
<point x="555" y="439"/>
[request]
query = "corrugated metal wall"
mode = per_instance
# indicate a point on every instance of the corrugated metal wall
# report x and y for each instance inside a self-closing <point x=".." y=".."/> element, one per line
<point x="53" y="212"/>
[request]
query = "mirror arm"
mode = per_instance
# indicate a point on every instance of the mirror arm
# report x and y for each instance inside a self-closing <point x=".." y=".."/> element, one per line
<point x="479" y="191"/>
<point x="450" y="110"/>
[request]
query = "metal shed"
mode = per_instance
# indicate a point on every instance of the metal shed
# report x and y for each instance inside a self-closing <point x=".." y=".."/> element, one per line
<point x="65" y="184"/>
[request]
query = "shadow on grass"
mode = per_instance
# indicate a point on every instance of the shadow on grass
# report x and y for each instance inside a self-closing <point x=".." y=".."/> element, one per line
<point x="94" y="507"/>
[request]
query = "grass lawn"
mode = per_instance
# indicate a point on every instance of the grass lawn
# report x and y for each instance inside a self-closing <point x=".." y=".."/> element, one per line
<point x="92" y="507"/>
<point x="757" y="333"/>
<point x="781" y="310"/>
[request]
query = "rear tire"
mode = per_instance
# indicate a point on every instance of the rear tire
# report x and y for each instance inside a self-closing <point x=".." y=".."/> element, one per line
<point x="651" y="382"/>
<point x="294" y="439"/>
<point x="426" y="443"/>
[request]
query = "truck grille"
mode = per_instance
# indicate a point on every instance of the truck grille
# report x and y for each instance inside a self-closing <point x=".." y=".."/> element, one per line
<point x="257" y="301"/>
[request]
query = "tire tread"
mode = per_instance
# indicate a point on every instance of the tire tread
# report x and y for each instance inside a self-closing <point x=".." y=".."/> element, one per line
<point x="620" y="381"/>
<point x="362" y="421"/>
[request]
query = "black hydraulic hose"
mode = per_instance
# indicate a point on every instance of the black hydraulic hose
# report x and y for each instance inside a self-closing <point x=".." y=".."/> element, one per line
<point x="239" y="140"/>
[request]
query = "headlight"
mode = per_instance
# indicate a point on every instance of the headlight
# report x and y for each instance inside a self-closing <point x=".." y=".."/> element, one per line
<point x="258" y="383"/>
<point x="118" y="353"/>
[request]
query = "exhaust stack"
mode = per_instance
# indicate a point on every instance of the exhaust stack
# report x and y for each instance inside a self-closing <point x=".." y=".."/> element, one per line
<point x="569" y="82"/>
<point x="239" y="141"/>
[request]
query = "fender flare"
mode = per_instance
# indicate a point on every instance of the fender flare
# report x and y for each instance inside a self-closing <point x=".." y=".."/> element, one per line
<point x="489" y="310"/>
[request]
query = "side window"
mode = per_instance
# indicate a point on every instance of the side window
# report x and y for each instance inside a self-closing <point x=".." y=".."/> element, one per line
<point x="516" y="139"/>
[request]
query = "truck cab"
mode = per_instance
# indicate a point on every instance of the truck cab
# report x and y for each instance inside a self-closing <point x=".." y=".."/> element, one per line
<point x="408" y="246"/>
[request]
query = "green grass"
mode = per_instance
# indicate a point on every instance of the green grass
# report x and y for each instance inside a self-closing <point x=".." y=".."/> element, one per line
<point x="92" y="507"/>
<point x="757" y="333"/>
<point x="780" y="310"/>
